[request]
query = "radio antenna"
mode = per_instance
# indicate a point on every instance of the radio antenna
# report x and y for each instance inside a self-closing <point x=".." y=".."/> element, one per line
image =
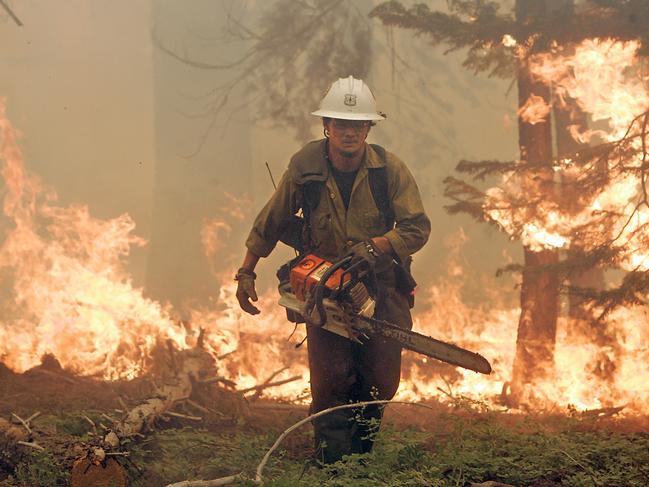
<point x="272" y="179"/>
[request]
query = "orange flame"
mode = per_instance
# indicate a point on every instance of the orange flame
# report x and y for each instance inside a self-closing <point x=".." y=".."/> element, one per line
<point x="535" y="110"/>
<point x="70" y="294"/>
<point x="602" y="77"/>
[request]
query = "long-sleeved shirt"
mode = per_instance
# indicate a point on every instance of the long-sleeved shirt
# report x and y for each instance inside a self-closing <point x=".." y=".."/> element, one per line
<point x="333" y="227"/>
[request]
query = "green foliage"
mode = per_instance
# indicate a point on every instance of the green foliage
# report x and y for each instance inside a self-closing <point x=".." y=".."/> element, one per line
<point x="482" y="449"/>
<point x="478" y="26"/>
<point x="474" y="25"/>
<point x="530" y="191"/>
<point x="41" y="469"/>
<point x="473" y="444"/>
<point x="72" y="424"/>
<point x="175" y="455"/>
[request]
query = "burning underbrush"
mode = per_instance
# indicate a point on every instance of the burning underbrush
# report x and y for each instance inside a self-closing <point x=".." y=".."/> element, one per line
<point x="92" y="369"/>
<point x="65" y="429"/>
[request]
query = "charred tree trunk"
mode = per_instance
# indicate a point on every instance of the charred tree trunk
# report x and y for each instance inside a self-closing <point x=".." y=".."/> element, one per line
<point x="567" y="115"/>
<point x="537" y="325"/>
<point x="583" y="325"/>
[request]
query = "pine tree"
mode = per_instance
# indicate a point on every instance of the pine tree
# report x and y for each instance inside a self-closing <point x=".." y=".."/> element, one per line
<point x="541" y="187"/>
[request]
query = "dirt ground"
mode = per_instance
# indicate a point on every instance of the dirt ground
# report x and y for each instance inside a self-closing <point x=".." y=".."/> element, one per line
<point x="63" y="399"/>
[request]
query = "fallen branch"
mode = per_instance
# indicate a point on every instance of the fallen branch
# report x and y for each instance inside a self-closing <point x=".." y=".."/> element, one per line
<point x="264" y="461"/>
<point x="31" y="444"/>
<point x="13" y="432"/>
<point x="602" y="412"/>
<point x="23" y="422"/>
<point x="195" y="405"/>
<point x="220" y="379"/>
<point x="208" y="483"/>
<point x="179" y="373"/>
<point x="183" y="416"/>
<point x="192" y="365"/>
<point x="260" y="468"/>
<point x="105" y="416"/>
<point x="262" y="387"/>
<point x="11" y="435"/>
<point x="32" y="417"/>
<point x="265" y="383"/>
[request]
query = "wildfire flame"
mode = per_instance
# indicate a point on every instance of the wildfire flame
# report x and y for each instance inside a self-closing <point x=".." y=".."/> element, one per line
<point x="69" y="294"/>
<point x="535" y="110"/>
<point x="603" y="78"/>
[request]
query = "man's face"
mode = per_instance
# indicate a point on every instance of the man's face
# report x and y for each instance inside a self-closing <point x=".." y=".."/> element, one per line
<point x="347" y="137"/>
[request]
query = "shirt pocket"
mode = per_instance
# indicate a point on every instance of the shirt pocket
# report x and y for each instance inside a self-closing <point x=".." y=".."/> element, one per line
<point x="372" y="222"/>
<point x="321" y="228"/>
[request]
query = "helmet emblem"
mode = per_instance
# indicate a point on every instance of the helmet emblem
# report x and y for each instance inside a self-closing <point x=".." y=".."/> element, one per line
<point x="350" y="100"/>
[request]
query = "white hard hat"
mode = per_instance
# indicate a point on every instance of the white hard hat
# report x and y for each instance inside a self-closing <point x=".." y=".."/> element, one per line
<point x="349" y="99"/>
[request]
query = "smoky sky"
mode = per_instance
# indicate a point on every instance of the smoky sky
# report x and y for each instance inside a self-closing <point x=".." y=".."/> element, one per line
<point x="110" y="120"/>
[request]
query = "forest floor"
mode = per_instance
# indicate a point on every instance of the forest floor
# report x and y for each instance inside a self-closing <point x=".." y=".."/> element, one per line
<point x="452" y="443"/>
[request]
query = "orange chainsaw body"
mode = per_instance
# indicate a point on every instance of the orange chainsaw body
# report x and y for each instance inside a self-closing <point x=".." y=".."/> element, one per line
<point x="308" y="273"/>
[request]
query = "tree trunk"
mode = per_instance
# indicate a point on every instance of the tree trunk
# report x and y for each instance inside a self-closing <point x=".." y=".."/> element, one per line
<point x="583" y="326"/>
<point x="566" y="115"/>
<point x="537" y="325"/>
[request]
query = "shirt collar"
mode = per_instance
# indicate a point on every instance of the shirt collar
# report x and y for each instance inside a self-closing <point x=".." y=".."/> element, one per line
<point x="371" y="159"/>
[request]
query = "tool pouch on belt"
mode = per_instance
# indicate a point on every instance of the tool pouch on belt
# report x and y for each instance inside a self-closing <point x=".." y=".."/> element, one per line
<point x="403" y="280"/>
<point x="284" y="276"/>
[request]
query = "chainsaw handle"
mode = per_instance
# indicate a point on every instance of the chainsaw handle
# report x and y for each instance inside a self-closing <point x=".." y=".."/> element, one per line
<point x="318" y="294"/>
<point x="352" y="271"/>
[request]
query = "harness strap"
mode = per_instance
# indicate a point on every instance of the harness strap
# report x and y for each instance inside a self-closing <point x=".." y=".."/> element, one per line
<point x="378" y="181"/>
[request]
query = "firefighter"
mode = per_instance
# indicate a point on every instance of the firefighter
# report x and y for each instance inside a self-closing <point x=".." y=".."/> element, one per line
<point x="334" y="182"/>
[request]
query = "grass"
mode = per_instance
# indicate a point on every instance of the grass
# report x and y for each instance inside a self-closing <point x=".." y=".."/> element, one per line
<point x="43" y="470"/>
<point x="464" y="447"/>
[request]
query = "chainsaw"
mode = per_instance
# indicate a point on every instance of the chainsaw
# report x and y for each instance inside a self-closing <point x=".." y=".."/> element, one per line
<point x="335" y="297"/>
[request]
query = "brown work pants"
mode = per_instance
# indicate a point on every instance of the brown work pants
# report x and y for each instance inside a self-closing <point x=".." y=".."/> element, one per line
<point x="343" y="371"/>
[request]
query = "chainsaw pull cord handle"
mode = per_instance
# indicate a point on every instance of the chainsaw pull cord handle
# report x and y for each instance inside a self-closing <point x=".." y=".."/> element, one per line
<point x="318" y="294"/>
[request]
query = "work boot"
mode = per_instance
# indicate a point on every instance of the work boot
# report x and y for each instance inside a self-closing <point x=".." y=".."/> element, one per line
<point x="333" y="436"/>
<point x="367" y="424"/>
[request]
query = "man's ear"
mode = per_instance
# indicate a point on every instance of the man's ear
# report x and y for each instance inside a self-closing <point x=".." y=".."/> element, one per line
<point x="369" y="128"/>
<point x="325" y="126"/>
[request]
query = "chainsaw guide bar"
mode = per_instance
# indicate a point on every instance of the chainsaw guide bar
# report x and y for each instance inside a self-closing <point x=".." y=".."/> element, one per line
<point x="359" y="328"/>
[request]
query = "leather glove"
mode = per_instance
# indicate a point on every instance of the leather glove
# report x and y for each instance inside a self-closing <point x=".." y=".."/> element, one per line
<point x="246" y="290"/>
<point x="365" y="251"/>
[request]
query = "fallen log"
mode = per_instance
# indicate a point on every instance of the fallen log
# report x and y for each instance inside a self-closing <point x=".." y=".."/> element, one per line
<point x="14" y="439"/>
<point x="181" y="371"/>
<point x="190" y="366"/>
<point x="262" y="387"/>
<point x="602" y="412"/>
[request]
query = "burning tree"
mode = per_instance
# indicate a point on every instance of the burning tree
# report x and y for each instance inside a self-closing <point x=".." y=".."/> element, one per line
<point x="588" y="202"/>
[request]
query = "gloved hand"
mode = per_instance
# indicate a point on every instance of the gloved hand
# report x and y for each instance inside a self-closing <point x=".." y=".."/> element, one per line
<point x="365" y="251"/>
<point x="246" y="290"/>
